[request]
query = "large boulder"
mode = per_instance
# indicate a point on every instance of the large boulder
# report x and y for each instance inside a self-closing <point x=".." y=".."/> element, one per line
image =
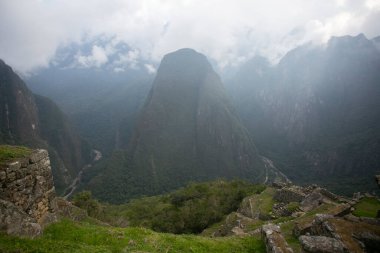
<point x="274" y="240"/>
<point x="311" y="201"/>
<point x="14" y="221"/>
<point x="370" y="240"/>
<point x="321" y="244"/>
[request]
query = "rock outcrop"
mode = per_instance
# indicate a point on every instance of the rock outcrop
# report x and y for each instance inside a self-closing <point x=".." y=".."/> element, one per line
<point x="26" y="194"/>
<point x="30" y="120"/>
<point x="187" y="131"/>
<point x="274" y="240"/>
<point x="298" y="106"/>
<point x="321" y="244"/>
<point x="289" y="194"/>
<point x="330" y="233"/>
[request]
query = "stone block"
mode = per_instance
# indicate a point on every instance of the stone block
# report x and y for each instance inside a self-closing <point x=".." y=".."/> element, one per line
<point x="16" y="165"/>
<point x="321" y="244"/>
<point x="11" y="176"/>
<point x="38" y="155"/>
<point x="3" y="176"/>
<point x="287" y="195"/>
<point x="274" y="240"/>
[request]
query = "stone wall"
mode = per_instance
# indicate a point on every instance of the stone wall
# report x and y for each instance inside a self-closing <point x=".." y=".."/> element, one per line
<point x="287" y="195"/>
<point x="26" y="192"/>
<point x="274" y="240"/>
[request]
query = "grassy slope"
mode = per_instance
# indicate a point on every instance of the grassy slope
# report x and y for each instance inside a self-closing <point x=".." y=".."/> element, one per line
<point x="367" y="207"/>
<point x="68" y="236"/>
<point x="190" y="209"/>
<point x="8" y="153"/>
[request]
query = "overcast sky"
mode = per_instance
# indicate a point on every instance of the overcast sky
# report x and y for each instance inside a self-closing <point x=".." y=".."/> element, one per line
<point x="227" y="31"/>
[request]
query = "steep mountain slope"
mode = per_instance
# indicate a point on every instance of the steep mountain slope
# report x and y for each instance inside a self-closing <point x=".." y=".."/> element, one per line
<point x="187" y="131"/>
<point x="101" y="100"/>
<point x="37" y="122"/>
<point x="18" y="111"/>
<point x="317" y="112"/>
<point x="65" y="143"/>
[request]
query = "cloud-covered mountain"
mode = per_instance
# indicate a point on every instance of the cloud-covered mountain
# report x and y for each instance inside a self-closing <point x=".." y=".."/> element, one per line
<point x="317" y="112"/>
<point x="100" y="85"/>
<point x="186" y="131"/>
<point x="35" y="121"/>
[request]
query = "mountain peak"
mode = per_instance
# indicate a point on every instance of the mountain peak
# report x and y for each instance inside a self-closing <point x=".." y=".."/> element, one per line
<point x="349" y="42"/>
<point x="187" y="130"/>
<point x="185" y="59"/>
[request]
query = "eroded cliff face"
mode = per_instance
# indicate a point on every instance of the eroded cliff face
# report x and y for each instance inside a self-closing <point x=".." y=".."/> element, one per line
<point x="316" y="113"/>
<point x="26" y="194"/>
<point x="188" y="131"/>
<point x="35" y="121"/>
<point x="18" y="111"/>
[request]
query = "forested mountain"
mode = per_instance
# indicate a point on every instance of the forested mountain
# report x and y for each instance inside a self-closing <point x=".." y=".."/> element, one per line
<point x="186" y="131"/>
<point x="35" y="121"/>
<point x="317" y="112"/>
<point x="102" y="99"/>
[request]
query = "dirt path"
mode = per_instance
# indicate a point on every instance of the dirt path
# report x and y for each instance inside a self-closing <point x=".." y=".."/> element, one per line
<point x="74" y="185"/>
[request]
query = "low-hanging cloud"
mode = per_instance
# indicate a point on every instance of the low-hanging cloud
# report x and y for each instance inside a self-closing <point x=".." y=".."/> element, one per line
<point x="228" y="32"/>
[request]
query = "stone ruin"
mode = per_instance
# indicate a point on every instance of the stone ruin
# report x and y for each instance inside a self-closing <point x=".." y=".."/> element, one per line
<point x="26" y="195"/>
<point x="274" y="240"/>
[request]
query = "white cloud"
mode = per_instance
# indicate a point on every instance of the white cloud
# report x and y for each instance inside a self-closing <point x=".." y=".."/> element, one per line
<point x="97" y="58"/>
<point x="226" y="31"/>
<point x="130" y="59"/>
<point x="150" y="68"/>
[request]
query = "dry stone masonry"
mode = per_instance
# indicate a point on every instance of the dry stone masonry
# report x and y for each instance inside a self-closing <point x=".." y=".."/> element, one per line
<point x="274" y="240"/>
<point x="26" y="194"/>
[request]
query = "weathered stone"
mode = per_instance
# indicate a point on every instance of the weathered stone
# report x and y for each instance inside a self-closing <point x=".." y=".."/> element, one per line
<point x="16" y="165"/>
<point x="274" y="240"/>
<point x="321" y="244"/>
<point x="20" y="173"/>
<point x="63" y="208"/>
<point x="370" y="240"/>
<point x="351" y="218"/>
<point x="372" y="221"/>
<point x="11" y="176"/>
<point x="287" y="195"/>
<point x="24" y="162"/>
<point x="3" y="176"/>
<point x="320" y="226"/>
<point x="26" y="194"/>
<point x="38" y="155"/>
<point x="281" y="210"/>
<point x="15" y="221"/>
<point x="329" y="194"/>
<point x="341" y="210"/>
<point x="301" y="228"/>
<point x="311" y="201"/>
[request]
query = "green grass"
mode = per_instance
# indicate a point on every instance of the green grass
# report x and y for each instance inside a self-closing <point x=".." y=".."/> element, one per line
<point x="68" y="236"/>
<point x="367" y="207"/>
<point x="264" y="201"/>
<point x="287" y="226"/>
<point x="9" y="153"/>
<point x="190" y="209"/>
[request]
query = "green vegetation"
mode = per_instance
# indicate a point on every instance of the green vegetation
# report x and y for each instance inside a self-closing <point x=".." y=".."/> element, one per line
<point x="85" y="201"/>
<point x="8" y="153"/>
<point x="292" y="206"/>
<point x="69" y="236"/>
<point x="367" y="207"/>
<point x="187" y="210"/>
<point x="287" y="227"/>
